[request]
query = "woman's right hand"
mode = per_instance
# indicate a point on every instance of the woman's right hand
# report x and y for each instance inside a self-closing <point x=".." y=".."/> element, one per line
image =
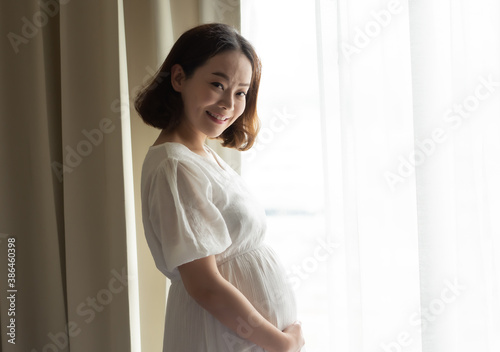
<point x="294" y="334"/>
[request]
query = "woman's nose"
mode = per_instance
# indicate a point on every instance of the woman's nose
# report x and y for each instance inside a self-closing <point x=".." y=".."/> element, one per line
<point x="226" y="102"/>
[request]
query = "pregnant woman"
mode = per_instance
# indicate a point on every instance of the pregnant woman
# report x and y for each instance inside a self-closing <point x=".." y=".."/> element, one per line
<point x="204" y="229"/>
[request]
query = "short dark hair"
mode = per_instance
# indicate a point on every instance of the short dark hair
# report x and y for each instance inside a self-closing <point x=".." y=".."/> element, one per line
<point x="161" y="106"/>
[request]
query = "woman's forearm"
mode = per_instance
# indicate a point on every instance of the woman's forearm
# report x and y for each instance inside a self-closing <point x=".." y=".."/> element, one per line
<point x="228" y="305"/>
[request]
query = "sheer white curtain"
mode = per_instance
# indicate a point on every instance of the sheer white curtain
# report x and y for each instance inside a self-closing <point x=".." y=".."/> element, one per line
<point x="378" y="167"/>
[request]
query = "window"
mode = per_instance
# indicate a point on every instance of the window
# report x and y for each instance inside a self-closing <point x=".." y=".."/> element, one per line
<point x="285" y="168"/>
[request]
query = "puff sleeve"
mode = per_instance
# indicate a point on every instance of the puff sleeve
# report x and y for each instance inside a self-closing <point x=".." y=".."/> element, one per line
<point x="186" y="223"/>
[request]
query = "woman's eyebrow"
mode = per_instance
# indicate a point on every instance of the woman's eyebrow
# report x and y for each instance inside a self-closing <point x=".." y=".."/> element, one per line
<point x="226" y="77"/>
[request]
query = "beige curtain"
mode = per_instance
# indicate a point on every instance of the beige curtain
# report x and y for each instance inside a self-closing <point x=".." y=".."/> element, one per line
<point x="64" y="186"/>
<point x="71" y="154"/>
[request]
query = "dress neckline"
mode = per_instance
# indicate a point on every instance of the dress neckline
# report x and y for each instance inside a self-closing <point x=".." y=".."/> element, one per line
<point x="216" y="161"/>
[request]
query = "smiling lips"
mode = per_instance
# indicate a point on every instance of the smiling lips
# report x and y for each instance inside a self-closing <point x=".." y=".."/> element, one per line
<point x="217" y="118"/>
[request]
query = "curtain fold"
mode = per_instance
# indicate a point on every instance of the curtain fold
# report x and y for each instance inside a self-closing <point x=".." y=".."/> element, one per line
<point x="147" y="46"/>
<point x="418" y="119"/>
<point x="379" y="225"/>
<point x="63" y="191"/>
<point x="456" y="81"/>
<point x="94" y="193"/>
<point x="31" y="207"/>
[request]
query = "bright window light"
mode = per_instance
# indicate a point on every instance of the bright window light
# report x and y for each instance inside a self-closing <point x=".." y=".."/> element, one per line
<point x="284" y="168"/>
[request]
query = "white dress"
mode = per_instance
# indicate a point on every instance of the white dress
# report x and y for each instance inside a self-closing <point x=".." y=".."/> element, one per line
<point x="194" y="207"/>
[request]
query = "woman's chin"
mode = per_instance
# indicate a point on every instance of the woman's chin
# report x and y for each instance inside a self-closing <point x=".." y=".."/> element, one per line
<point x="215" y="134"/>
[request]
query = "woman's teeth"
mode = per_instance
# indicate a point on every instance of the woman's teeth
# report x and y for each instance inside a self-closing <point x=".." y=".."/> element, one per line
<point x="217" y="117"/>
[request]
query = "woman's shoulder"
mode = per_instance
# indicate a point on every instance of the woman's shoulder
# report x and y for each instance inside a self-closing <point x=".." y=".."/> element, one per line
<point x="170" y="152"/>
<point x="172" y="156"/>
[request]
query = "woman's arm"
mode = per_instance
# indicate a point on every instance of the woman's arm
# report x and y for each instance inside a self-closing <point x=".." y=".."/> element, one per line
<point x="205" y="285"/>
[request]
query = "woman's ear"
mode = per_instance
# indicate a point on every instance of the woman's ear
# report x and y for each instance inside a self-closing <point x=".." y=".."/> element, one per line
<point x="177" y="77"/>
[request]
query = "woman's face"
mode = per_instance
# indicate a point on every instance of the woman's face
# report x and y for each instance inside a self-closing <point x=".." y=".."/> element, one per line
<point x="214" y="96"/>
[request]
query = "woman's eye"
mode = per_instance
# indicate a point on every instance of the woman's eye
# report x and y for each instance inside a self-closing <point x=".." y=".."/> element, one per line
<point x="218" y="85"/>
<point x="242" y="94"/>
